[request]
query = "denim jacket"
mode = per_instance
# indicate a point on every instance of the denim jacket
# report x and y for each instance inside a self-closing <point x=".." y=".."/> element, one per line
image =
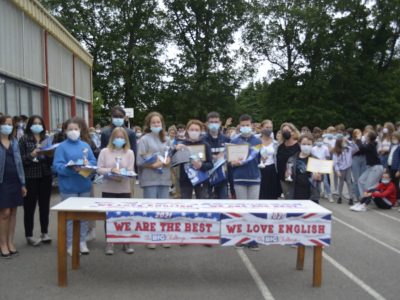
<point x="17" y="158"/>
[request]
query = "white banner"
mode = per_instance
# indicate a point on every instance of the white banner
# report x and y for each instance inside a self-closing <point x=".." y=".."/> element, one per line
<point x="163" y="228"/>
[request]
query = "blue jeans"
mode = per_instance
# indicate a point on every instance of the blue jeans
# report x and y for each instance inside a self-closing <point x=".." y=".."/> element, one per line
<point x="156" y="192"/>
<point x="358" y="167"/>
<point x="84" y="224"/>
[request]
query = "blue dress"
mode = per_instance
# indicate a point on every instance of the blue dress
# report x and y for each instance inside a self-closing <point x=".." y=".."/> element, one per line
<point x="10" y="189"/>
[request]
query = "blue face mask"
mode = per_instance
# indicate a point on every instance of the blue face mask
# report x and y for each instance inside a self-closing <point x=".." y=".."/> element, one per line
<point x="118" y="122"/>
<point x="245" y="130"/>
<point x="36" y="128"/>
<point x="119" y="142"/>
<point x="156" y="129"/>
<point x="214" y="127"/>
<point x="6" y="129"/>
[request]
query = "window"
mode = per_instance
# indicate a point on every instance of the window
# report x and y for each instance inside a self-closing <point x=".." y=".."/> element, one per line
<point x="17" y="98"/>
<point x="60" y="109"/>
<point x="82" y="110"/>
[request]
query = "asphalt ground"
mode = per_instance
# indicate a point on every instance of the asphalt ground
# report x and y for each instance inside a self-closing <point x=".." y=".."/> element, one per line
<point x="363" y="262"/>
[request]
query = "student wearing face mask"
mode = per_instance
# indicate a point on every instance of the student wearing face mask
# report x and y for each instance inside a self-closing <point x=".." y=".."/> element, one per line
<point x="305" y="184"/>
<point x="342" y="161"/>
<point x="217" y="141"/>
<point x="70" y="182"/>
<point x="359" y="164"/>
<point x="116" y="156"/>
<point x="193" y="138"/>
<point x="118" y="120"/>
<point x="321" y="151"/>
<point x="246" y="174"/>
<point x="38" y="176"/>
<point x="286" y="149"/>
<point x="270" y="187"/>
<point x="374" y="171"/>
<point x="383" y="195"/>
<point x="394" y="161"/>
<point x="155" y="184"/>
<point x="12" y="186"/>
<point x="384" y="142"/>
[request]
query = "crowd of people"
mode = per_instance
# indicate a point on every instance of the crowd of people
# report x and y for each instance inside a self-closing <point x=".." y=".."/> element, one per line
<point x="367" y="160"/>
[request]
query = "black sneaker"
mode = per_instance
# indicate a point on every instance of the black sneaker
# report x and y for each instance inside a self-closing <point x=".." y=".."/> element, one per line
<point x="239" y="246"/>
<point x="339" y="200"/>
<point x="351" y="202"/>
<point x="254" y="247"/>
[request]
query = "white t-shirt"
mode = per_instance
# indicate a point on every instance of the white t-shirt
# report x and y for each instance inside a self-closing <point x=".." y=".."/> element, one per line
<point x="269" y="152"/>
<point x="320" y="152"/>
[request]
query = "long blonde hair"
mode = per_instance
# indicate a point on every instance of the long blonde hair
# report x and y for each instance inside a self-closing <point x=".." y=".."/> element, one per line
<point x="127" y="145"/>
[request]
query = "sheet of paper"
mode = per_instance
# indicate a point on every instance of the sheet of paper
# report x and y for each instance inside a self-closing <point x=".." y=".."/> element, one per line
<point x="319" y="166"/>
<point x="237" y="152"/>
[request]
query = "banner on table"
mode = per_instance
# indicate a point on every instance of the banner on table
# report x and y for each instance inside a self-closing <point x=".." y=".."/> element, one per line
<point x="308" y="229"/>
<point x="163" y="227"/>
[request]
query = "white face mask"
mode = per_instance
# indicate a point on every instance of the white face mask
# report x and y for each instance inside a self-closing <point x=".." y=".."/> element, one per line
<point x="306" y="149"/>
<point x="385" y="130"/>
<point x="194" y="135"/>
<point x="73" y="135"/>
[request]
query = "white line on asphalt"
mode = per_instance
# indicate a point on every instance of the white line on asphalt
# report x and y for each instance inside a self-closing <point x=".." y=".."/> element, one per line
<point x="367" y="235"/>
<point x="353" y="277"/>
<point x="257" y="278"/>
<point x="386" y="215"/>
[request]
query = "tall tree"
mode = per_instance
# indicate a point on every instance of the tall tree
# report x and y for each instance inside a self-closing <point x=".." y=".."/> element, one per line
<point x="203" y="74"/>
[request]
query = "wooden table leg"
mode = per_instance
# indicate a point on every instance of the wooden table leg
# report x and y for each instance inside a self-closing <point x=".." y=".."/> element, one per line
<point x="75" y="244"/>
<point x="62" y="249"/>
<point x="317" y="266"/>
<point x="300" y="257"/>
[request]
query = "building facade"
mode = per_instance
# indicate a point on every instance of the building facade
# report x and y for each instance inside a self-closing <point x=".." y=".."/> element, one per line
<point x="43" y="69"/>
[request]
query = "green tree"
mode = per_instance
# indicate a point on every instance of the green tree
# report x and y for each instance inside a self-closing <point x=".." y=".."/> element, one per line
<point x="203" y="77"/>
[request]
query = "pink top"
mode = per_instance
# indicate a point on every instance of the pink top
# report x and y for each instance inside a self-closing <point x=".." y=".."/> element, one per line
<point x="106" y="162"/>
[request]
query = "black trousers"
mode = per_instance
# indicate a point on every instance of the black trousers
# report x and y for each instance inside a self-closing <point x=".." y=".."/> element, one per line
<point x="39" y="192"/>
<point x="379" y="202"/>
<point x="201" y="191"/>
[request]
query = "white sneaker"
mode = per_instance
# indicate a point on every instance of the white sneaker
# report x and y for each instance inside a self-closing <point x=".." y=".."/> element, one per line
<point x="331" y="199"/>
<point x="83" y="248"/>
<point x="45" y="238"/>
<point x="109" y="249"/>
<point x="128" y="249"/>
<point x="151" y="246"/>
<point x="353" y="207"/>
<point x="360" y="208"/>
<point x="91" y="235"/>
<point x="33" y="241"/>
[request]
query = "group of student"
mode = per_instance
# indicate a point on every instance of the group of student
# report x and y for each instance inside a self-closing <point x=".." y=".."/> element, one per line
<point x="367" y="161"/>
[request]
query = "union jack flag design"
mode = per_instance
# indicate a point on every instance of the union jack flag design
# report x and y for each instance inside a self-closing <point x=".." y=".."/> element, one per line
<point x="308" y="229"/>
<point x="162" y="227"/>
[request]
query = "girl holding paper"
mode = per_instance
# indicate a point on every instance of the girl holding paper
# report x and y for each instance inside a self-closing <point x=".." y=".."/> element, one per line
<point x="304" y="185"/>
<point x="153" y="161"/>
<point x="115" y="157"/>
<point x="38" y="179"/>
<point x="197" y="163"/>
<point x="70" y="182"/>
